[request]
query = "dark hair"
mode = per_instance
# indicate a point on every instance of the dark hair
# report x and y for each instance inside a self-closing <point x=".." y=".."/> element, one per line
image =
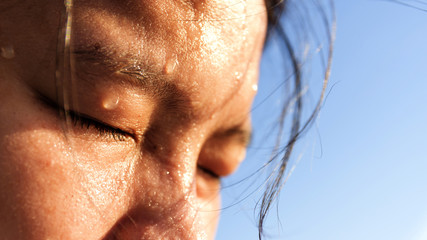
<point x="283" y="25"/>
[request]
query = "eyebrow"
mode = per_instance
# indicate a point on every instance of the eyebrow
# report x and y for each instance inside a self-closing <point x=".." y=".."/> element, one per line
<point x="155" y="83"/>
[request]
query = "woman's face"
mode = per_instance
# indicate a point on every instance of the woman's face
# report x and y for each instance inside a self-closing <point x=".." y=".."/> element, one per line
<point x="159" y="103"/>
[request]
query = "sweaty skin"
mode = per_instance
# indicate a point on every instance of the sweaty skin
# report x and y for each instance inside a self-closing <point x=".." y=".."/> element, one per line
<point x="159" y="104"/>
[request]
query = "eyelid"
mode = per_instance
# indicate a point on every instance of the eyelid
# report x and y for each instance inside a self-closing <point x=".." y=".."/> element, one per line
<point x="103" y="128"/>
<point x="208" y="171"/>
<point x="85" y="120"/>
<point x="243" y="136"/>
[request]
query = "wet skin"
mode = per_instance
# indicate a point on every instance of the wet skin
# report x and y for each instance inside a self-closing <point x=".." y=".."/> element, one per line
<point x="159" y="110"/>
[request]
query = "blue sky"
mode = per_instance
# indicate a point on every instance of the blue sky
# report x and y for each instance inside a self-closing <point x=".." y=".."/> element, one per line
<point x="361" y="171"/>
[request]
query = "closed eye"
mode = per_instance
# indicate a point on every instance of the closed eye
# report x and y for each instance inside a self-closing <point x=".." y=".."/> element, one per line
<point x="103" y="129"/>
<point x="208" y="172"/>
<point x="87" y="122"/>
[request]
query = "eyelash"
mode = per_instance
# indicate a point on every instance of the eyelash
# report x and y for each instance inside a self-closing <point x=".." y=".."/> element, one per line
<point x="103" y="129"/>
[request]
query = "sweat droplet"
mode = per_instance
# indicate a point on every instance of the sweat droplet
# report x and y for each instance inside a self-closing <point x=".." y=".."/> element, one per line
<point x="7" y="52"/>
<point x="171" y="65"/>
<point x="255" y="87"/>
<point x="111" y="102"/>
<point x="238" y="75"/>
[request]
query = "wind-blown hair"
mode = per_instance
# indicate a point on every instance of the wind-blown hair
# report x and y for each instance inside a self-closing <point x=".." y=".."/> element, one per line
<point x="302" y="28"/>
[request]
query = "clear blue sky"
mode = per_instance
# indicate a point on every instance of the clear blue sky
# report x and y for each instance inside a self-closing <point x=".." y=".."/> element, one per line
<point x="362" y="172"/>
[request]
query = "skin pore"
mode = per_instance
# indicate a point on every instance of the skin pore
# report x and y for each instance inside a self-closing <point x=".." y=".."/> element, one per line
<point x="159" y="104"/>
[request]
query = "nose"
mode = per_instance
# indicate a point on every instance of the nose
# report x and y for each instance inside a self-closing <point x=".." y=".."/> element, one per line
<point x="163" y="201"/>
<point x="179" y="221"/>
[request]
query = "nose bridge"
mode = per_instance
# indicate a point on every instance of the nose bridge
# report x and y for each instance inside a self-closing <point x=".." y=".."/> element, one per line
<point x="177" y="163"/>
<point x="167" y="175"/>
<point x="164" y="191"/>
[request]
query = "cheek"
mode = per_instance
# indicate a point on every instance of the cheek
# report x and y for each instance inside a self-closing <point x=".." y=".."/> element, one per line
<point x="104" y="173"/>
<point x="50" y="194"/>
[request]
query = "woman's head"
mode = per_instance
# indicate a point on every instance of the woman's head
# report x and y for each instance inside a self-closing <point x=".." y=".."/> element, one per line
<point x="129" y="140"/>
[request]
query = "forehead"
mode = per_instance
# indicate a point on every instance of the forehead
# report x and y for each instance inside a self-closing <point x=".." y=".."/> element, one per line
<point x="201" y="28"/>
<point x="206" y="48"/>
